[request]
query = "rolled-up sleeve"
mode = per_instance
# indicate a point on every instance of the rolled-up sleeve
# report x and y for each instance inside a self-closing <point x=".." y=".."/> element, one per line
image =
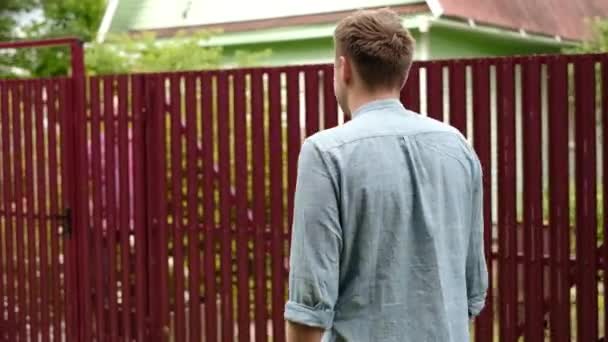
<point x="316" y="243"/>
<point x="476" y="270"/>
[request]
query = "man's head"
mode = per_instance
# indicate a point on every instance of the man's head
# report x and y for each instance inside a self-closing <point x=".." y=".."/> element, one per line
<point x="374" y="53"/>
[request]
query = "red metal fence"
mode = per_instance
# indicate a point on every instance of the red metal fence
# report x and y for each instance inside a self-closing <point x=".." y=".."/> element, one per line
<point x="183" y="188"/>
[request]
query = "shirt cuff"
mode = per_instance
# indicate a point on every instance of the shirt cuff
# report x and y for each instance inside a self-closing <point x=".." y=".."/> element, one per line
<point x="308" y="316"/>
<point x="476" y="305"/>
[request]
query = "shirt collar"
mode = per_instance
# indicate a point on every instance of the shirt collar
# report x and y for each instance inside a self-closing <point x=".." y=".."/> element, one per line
<point x="378" y="105"/>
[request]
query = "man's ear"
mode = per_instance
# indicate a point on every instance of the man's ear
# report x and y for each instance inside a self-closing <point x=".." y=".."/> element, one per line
<point x="347" y="71"/>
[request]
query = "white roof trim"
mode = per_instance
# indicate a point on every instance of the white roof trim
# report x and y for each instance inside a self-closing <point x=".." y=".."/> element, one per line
<point x="106" y="22"/>
<point x="435" y="7"/>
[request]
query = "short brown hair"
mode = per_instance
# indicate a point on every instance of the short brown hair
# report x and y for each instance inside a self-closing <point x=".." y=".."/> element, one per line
<point x="380" y="47"/>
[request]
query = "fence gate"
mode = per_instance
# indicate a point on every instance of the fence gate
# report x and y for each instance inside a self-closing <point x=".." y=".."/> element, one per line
<point x="36" y="260"/>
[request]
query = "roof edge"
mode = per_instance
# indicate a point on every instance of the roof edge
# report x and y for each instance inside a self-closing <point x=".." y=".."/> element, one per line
<point x="273" y="23"/>
<point x="504" y="32"/>
<point x="292" y="33"/>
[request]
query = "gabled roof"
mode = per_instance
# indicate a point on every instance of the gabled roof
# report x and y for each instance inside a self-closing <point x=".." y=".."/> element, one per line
<point x="563" y="18"/>
<point x="552" y="18"/>
<point x="287" y="21"/>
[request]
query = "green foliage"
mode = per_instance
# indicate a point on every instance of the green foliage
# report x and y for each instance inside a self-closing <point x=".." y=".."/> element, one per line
<point x="247" y="58"/>
<point x="119" y="54"/>
<point x="58" y="18"/>
<point x="144" y="53"/>
<point x="598" y="41"/>
<point x="9" y="12"/>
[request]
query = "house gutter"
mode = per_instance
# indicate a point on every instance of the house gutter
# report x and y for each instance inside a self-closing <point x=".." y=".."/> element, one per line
<point x="506" y="34"/>
<point x="291" y="33"/>
<point x="106" y="22"/>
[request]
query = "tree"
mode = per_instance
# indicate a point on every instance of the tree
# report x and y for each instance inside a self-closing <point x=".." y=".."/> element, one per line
<point x="119" y="54"/>
<point x="598" y="41"/>
<point x="11" y="11"/>
<point x="144" y="53"/>
<point x="51" y="18"/>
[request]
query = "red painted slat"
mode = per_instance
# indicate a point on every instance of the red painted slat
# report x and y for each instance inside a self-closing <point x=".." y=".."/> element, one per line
<point x="329" y="98"/>
<point x="98" y="233"/>
<point x="259" y="205"/>
<point x="559" y="201"/>
<point x="69" y="303"/>
<point x="28" y="130"/>
<point x="240" y="166"/>
<point x="223" y="117"/>
<point x="604" y="68"/>
<point x="156" y="201"/>
<point x="4" y="217"/>
<point x="434" y="90"/>
<point x="37" y="206"/>
<point x="312" y="100"/>
<point x="482" y="143"/>
<point x="55" y="205"/>
<point x="8" y="194"/>
<point x="276" y="203"/>
<point x="124" y="203"/>
<point x="16" y="101"/>
<point x="293" y="137"/>
<point x="176" y="180"/>
<point x="586" y="220"/>
<point x="208" y="202"/>
<point x="533" y="215"/>
<point x="410" y="95"/>
<point x="70" y="158"/>
<point x="141" y="290"/>
<point x="3" y="229"/>
<point x="43" y="210"/>
<point x="507" y="288"/>
<point x="151" y="204"/>
<point x="163" y="149"/>
<point x="193" y="217"/>
<point x="458" y="96"/>
<point x="111" y="202"/>
<point x="72" y="134"/>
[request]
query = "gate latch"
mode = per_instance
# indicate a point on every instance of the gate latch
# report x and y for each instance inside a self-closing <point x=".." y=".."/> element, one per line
<point x="65" y="220"/>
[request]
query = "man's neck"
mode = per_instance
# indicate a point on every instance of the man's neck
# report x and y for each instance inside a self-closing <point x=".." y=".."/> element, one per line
<point x="359" y="100"/>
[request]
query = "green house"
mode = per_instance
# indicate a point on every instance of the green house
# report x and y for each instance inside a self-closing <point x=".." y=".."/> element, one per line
<point x="301" y="31"/>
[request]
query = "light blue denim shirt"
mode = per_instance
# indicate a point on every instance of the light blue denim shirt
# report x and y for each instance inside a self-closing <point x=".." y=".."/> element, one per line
<point x="388" y="230"/>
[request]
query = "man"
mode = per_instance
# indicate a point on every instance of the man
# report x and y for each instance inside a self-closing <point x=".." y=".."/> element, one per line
<point x="387" y="237"/>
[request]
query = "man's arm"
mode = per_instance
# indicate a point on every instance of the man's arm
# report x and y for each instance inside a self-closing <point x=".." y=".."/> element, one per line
<point x="476" y="270"/>
<point x="315" y="249"/>
<point x="302" y="333"/>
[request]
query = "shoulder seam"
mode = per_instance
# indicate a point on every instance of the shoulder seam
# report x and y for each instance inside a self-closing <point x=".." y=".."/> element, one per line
<point x="399" y="135"/>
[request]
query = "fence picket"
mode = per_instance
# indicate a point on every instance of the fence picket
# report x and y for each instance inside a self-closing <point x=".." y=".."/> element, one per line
<point x="559" y="201"/>
<point x="194" y="263"/>
<point x="481" y="137"/>
<point x="533" y="216"/>
<point x="586" y="201"/>
<point x="410" y="96"/>
<point x="109" y="137"/>
<point x="434" y="90"/>
<point x="507" y="207"/>
<point x="242" y="213"/>
<point x="259" y="217"/>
